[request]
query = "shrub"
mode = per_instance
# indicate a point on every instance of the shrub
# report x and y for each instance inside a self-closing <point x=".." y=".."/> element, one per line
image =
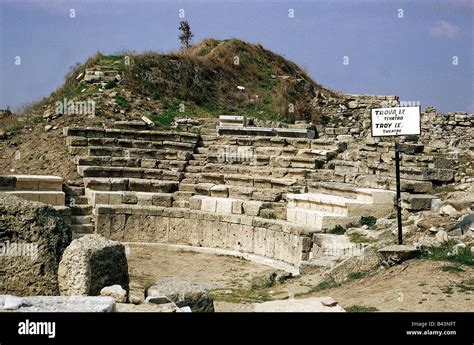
<point x="337" y="230"/>
<point x="368" y="220"/>
<point x="111" y="84"/>
<point x="355" y="276"/>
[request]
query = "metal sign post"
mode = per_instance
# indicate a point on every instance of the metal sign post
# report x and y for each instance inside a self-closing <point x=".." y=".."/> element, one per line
<point x="396" y="121"/>
<point x="399" y="194"/>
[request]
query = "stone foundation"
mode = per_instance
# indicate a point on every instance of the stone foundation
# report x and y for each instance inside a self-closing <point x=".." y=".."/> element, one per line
<point x="274" y="239"/>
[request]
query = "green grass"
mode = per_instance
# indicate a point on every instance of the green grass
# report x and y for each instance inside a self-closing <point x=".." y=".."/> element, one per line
<point x="356" y="275"/>
<point x="360" y="309"/>
<point x="15" y="128"/>
<point x="358" y="238"/>
<point x="252" y="295"/>
<point x="464" y="256"/>
<point x="38" y="119"/>
<point x="122" y="102"/>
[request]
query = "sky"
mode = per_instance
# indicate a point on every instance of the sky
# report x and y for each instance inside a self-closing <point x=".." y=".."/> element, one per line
<point x="421" y="50"/>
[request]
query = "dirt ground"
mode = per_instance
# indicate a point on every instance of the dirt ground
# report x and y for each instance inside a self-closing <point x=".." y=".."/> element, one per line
<point x="416" y="285"/>
<point x="148" y="263"/>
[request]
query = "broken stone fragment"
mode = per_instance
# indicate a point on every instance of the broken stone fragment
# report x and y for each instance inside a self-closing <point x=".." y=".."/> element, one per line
<point x="396" y="254"/>
<point x="12" y="303"/>
<point x="328" y="301"/>
<point x="116" y="292"/>
<point x="442" y="236"/>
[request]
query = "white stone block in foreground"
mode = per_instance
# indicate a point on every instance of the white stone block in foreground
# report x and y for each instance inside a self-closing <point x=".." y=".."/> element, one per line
<point x="32" y="304"/>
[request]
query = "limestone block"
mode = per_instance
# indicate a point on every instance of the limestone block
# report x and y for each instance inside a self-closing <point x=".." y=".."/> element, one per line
<point x="252" y="208"/>
<point x="224" y="205"/>
<point x="209" y="204"/>
<point x="91" y="263"/>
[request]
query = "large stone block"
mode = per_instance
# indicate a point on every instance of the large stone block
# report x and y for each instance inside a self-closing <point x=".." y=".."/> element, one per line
<point x="62" y="304"/>
<point x="91" y="263"/>
<point x="32" y="239"/>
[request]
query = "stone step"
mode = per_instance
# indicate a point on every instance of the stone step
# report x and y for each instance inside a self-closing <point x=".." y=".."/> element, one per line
<point x="194" y="169"/>
<point x="52" y="198"/>
<point x="81" y="220"/>
<point x="182" y="195"/>
<point x="266" y="132"/>
<point x="246" y="180"/>
<point x="78" y="200"/>
<point x="73" y="190"/>
<point x="352" y="191"/>
<point x="325" y="211"/>
<point x="177" y="165"/>
<point x="31" y="183"/>
<point x="332" y="204"/>
<point x="82" y="228"/>
<point x="131" y="125"/>
<point x="125" y="172"/>
<point x="199" y="157"/>
<point x="81" y="210"/>
<point x="166" y="154"/>
<point x="386" y="182"/>
<point x="196" y="163"/>
<point x="414" y="173"/>
<point x="224" y="205"/>
<point x="202" y="150"/>
<point x="128" y="198"/>
<point x="187" y="187"/>
<point x="130" y="143"/>
<point x="261" y="171"/>
<point x="100" y="132"/>
<point x="328" y="144"/>
<point x="132" y="184"/>
<point x="316" y="219"/>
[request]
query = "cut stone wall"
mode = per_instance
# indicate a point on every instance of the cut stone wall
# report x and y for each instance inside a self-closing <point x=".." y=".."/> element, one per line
<point x="270" y="238"/>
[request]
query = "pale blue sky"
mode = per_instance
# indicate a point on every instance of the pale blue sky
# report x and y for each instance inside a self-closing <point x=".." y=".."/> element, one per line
<point x="411" y="56"/>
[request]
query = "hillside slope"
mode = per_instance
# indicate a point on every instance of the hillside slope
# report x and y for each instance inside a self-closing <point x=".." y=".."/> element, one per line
<point x="200" y="82"/>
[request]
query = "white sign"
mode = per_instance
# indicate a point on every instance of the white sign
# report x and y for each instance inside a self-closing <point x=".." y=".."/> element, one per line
<point x="395" y="121"/>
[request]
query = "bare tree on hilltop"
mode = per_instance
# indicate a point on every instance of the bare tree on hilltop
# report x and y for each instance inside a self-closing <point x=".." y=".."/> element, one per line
<point x="186" y="35"/>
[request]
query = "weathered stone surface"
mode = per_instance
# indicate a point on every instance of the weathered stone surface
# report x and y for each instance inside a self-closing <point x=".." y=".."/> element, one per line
<point x="33" y="237"/>
<point x="47" y="304"/>
<point x="367" y="260"/>
<point x="91" y="263"/>
<point x="448" y="210"/>
<point x="397" y="254"/>
<point x="146" y="308"/>
<point x="182" y="294"/>
<point x="305" y="305"/>
<point x="12" y="302"/>
<point x="418" y="202"/>
<point x="426" y="242"/>
<point x="116" y="292"/>
<point x="442" y="237"/>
